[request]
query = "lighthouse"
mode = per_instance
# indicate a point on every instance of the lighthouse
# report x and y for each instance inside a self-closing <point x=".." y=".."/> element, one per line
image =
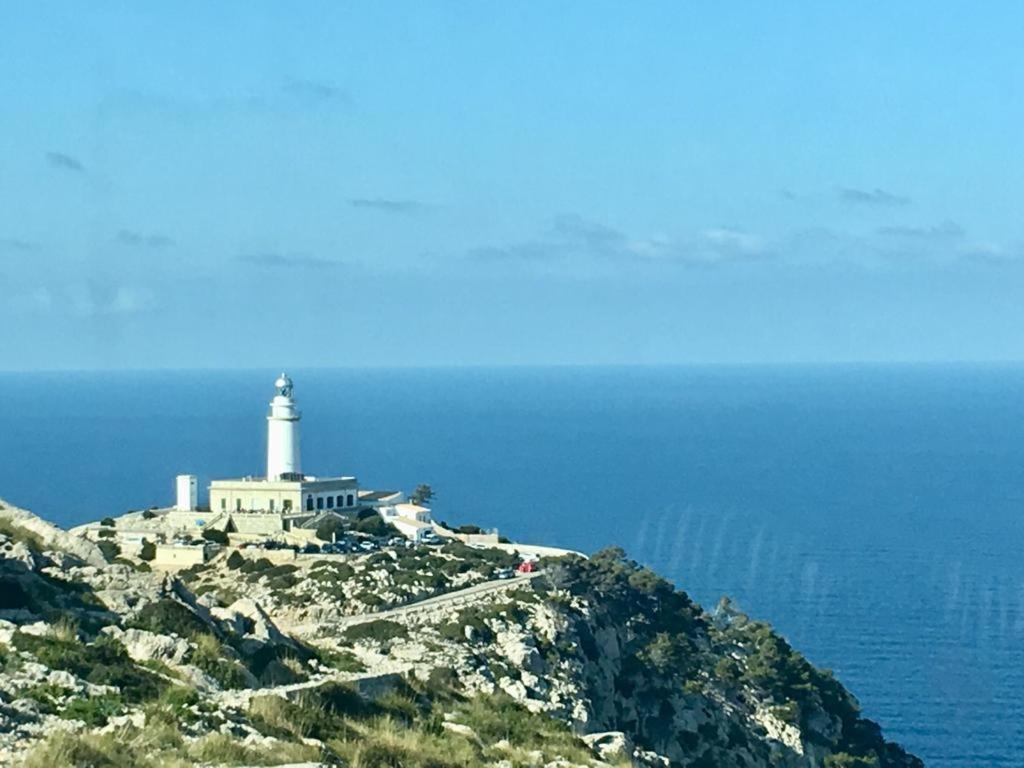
<point x="283" y="433"/>
<point x="285" y="490"/>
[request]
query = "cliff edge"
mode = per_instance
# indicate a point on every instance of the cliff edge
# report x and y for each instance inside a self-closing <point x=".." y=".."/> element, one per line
<point x="410" y="656"/>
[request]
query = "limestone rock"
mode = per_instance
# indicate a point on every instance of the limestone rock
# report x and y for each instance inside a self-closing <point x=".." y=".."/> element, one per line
<point x="610" y="745"/>
<point x="52" y="536"/>
<point x="142" y="645"/>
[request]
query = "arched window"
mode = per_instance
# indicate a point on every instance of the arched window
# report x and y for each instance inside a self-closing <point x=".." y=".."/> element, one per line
<point x="319" y="502"/>
<point x="351" y="500"/>
<point x="330" y="502"/>
<point x="309" y="503"/>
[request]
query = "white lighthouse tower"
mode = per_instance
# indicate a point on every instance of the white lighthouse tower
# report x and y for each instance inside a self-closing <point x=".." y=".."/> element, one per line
<point x="283" y="433"/>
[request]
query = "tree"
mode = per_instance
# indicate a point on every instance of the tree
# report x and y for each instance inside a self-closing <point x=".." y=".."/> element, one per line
<point x="328" y="528"/>
<point x="217" y="537"/>
<point x="375" y="526"/>
<point x="423" y="494"/>
<point x="235" y="560"/>
<point x="148" y="551"/>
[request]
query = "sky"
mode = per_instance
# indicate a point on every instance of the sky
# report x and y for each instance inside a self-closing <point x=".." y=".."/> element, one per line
<point x="243" y="185"/>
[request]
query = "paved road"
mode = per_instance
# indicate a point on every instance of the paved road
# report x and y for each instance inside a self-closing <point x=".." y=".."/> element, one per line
<point x="457" y="597"/>
<point x="241" y="698"/>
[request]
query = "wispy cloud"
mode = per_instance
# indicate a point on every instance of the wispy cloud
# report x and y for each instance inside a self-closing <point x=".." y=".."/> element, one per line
<point x="17" y="245"/>
<point x="385" y="205"/>
<point x="277" y="260"/>
<point x="878" y="197"/>
<point x="65" y="162"/>
<point x="947" y="230"/>
<point x="89" y="299"/>
<point x="573" y="239"/>
<point x="316" y="90"/>
<point x="142" y="240"/>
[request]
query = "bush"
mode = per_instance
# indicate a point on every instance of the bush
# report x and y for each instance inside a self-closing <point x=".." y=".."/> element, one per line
<point x="375" y="526"/>
<point x="94" y="711"/>
<point x="255" y="566"/>
<point x="167" y="616"/>
<point x="209" y="656"/>
<point x="110" y="549"/>
<point x="379" y="630"/>
<point x="148" y="514"/>
<point x="327" y="529"/>
<point x="102" y="662"/>
<point x="235" y="560"/>
<point x="148" y="551"/>
<point x="108" y="522"/>
<point x="217" y="537"/>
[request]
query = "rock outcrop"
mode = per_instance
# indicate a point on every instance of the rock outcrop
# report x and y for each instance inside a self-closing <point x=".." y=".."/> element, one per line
<point x="590" y="662"/>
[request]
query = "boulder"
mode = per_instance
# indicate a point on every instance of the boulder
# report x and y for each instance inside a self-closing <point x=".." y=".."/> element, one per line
<point x="141" y="645"/>
<point x="610" y="745"/>
<point x="52" y="536"/>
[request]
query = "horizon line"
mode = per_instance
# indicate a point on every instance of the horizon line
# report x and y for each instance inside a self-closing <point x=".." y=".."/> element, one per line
<point x="963" y="362"/>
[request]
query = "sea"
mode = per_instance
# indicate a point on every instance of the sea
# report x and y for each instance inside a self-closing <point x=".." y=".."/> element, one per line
<point x="874" y="514"/>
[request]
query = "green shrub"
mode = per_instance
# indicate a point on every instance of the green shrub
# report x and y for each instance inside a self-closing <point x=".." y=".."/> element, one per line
<point x="110" y="550"/>
<point x="148" y="514"/>
<point x="235" y="560"/>
<point x="209" y="656"/>
<point x="94" y="711"/>
<point x="328" y="528"/>
<point x="844" y="760"/>
<point x="375" y="526"/>
<point x="217" y="537"/>
<point x="148" y="551"/>
<point x="379" y="630"/>
<point x="102" y="662"/>
<point x="16" y="533"/>
<point x="108" y="522"/>
<point x="256" y="566"/>
<point x="340" y="659"/>
<point x="169" y="617"/>
<point x="173" y="707"/>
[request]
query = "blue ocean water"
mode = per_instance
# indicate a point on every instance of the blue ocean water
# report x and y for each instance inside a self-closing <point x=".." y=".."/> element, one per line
<point x="872" y="514"/>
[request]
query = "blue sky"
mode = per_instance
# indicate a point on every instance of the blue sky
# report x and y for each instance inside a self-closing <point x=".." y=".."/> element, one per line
<point x="331" y="184"/>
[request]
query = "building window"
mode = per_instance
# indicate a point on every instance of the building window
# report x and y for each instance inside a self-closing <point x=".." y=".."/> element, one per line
<point x="319" y="502"/>
<point x="330" y="502"/>
<point x="223" y="504"/>
<point x="287" y="505"/>
<point x="238" y="505"/>
<point x="351" y="500"/>
<point x="309" y="503"/>
<point x="271" y="505"/>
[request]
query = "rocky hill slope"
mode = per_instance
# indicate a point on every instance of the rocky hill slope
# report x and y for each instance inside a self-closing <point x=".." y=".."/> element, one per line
<point x="406" y="657"/>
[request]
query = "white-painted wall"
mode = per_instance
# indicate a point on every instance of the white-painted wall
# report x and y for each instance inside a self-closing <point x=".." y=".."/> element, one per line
<point x="283" y="434"/>
<point x="176" y="556"/>
<point x="187" y="489"/>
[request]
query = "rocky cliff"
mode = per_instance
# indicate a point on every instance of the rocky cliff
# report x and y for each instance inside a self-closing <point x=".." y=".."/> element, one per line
<point x="406" y="657"/>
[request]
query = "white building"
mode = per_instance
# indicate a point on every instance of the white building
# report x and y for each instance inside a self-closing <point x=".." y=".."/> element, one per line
<point x="284" y="489"/>
<point x="187" y="493"/>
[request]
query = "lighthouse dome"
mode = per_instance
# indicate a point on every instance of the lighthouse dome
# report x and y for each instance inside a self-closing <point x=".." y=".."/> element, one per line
<point x="283" y="385"/>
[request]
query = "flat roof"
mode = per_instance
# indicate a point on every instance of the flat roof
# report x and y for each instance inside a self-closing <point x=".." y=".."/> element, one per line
<point x="310" y="482"/>
<point x="377" y="495"/>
